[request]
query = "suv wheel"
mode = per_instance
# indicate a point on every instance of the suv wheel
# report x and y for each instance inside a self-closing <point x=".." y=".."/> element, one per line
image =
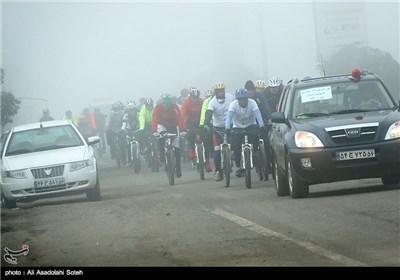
<point x="281" y="183"/>
<point x="298" y="188"/>
<point x="8" y="203"/>
<point x="392" y="179"/>
<point x="95" y="193"/>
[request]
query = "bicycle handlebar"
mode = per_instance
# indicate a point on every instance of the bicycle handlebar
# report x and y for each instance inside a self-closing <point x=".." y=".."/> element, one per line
<point x="245" y="131"/>
<point x="221" y="133"/>
<point x="164" y="135"/>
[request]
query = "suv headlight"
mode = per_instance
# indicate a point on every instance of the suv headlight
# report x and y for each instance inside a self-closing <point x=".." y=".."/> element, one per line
<point x="393" y="131"/>
<point x="74" y="166"/>
<point x="304" y="139"/>
<point x="16" y="174"/>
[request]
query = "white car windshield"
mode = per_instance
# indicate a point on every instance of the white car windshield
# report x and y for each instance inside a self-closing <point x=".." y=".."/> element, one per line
<point x="43" y="139"/>
<point x="341" y="98"/>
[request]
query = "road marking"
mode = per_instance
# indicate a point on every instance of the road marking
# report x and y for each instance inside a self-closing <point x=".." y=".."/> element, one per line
<point x="270" y="233"/>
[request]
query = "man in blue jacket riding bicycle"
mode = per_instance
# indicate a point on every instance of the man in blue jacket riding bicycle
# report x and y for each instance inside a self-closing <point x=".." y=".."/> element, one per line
<point x="245" y="115"/>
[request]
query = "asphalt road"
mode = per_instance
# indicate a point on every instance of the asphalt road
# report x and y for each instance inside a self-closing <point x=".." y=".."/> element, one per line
<point x="143" y="221"/>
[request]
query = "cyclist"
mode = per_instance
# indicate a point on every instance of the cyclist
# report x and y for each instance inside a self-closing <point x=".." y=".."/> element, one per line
<point x="273" y="93"/>
<point x="145" y="118"/>
<point x="260" y="86"/>
<point x="167" y="117"/>
<point x="207" y="136"/>
<point x="100" y="119"/>
<point x="259" y="98"/>
<point x="255" y="93"/>
<point x="130" y="123"/>
<point x="113" y="127"/>
<point x="217" y="110"/>
<point x="46" y="116"/>
<point x="245" y="115"/>
<point x="191" y="109"/>
<point x="68" y="116"/>
<point x="184" y="94"/>
<point x="87" y="123"/>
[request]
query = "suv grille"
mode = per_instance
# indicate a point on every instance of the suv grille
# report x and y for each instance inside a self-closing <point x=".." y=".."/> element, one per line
<point x="53" y="171"/>
<point x="367" y="134"/>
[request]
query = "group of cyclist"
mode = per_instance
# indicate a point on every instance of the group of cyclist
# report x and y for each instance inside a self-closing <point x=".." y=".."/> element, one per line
<point x="210" y="117"/>
<point x="249" y="110"/>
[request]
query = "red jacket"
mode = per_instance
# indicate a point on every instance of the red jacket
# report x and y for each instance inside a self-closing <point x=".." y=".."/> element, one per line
<point x="170" y="118"/>
<point x="191" y="109"/>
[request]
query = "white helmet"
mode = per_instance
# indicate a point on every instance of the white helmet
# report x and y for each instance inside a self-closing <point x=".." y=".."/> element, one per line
<point x="194" y="92"/>
<point x="275" y="82"/>
<point x="131" y="104"/>
<point x="260" y="84"/>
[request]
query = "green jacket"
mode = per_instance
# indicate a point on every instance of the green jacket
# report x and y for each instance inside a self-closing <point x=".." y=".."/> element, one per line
<point x="204" y="109"/>
<point x="72" y="119"/>
<point x="145" y="117"/>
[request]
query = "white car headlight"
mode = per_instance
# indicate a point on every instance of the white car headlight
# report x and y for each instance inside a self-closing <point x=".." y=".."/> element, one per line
<point x="74" y="166"/>
<point x="16" y="174"/>
<point x="393" y="131"/>
<point x="306" y="139"/>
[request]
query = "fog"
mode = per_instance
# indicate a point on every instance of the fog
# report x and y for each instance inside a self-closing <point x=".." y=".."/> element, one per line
<point x="73" y="54"/>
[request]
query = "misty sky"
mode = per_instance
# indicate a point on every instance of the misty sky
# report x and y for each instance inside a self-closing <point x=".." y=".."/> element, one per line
<point x="84" y="53"/>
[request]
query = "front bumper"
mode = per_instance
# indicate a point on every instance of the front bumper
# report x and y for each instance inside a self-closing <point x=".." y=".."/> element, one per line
<point x="326" y="168"/>
<point x="75" y="182"/>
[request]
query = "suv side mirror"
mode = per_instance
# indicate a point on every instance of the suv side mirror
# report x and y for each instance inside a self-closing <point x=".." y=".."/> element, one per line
<point x="278" y="117"/>
<point x="93" y="140"/>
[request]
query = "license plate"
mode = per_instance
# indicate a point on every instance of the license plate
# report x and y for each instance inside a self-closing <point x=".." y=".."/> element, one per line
<point x="360" y="154"/>
<point x="49" y="182"/>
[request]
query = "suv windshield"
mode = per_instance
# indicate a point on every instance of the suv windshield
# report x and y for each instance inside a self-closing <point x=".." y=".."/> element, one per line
<point x="340" y="98"/>
<point x="42" y="139"/>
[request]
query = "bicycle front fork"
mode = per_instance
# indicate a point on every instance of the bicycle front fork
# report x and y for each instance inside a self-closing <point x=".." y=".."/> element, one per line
<point x="243" y="161"/>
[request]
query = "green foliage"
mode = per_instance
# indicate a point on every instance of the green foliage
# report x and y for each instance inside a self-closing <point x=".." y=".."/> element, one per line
<point x="366" y="58"/>
<point x="9" y="107"/>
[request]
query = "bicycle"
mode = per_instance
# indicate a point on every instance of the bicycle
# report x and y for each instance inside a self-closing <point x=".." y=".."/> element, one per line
<point x="117" y="149"/>
<point x="246" y="156"/>
<point x="134" y="152"/>
<point x="262" y="168"/>
<point x="226" y="158"/>
<point x="200" y="157"/>
<point x="169" y="150"/>
<point x="151" y="154"/>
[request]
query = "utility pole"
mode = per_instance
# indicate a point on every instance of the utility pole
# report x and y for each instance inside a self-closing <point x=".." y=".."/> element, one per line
<point x="319" y="53"/>
<point x="262" y="37"/>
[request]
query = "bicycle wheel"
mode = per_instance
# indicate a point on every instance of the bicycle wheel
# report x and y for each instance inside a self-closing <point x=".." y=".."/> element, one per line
<point x="226" y="168"/>
<point x="170" y="166"/>
<point x="117" y="155"/>
<point x="154" y="159"/>
<point x="247" y="173"/>
<point x="135" y="158"/>
<point x="200" y="159"/>
<point x="263" y="162"/>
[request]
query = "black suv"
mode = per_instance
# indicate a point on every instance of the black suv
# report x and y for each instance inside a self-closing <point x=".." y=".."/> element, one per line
<point x="335" y="128"/>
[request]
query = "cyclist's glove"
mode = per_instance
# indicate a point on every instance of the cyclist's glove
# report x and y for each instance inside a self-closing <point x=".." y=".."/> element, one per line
<point x="206" y="128"/>
<point x="263" y="129"/>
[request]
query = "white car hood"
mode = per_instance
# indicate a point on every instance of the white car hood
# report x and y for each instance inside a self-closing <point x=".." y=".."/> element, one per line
<point x="46" y="158"/>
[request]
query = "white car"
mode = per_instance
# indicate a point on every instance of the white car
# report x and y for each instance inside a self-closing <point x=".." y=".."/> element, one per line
<point x="47" y="159"/>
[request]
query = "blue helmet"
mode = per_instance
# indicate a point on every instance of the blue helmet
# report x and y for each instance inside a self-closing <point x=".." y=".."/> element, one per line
<point x="241" y="94"/>
<point x="307" y="78"/>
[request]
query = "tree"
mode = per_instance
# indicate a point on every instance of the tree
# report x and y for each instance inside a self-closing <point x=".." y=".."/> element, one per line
<point x="9" y="107"/>
<point x="366" y="58"/>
